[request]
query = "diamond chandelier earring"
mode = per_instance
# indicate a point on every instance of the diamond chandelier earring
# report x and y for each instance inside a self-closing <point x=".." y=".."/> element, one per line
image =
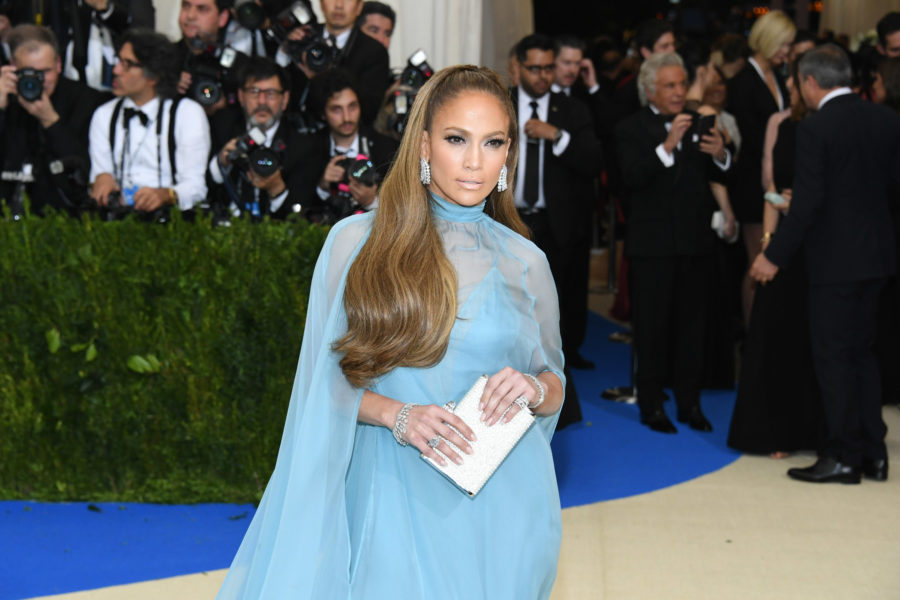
<point x="501" y="183"/>
<point x="424" y="171"/>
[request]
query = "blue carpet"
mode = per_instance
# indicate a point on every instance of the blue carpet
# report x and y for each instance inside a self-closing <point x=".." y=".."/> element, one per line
<point x="57" y="548"/>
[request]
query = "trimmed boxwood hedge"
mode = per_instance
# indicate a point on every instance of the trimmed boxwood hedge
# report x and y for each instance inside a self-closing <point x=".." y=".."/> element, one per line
<point x="145" y="362"/>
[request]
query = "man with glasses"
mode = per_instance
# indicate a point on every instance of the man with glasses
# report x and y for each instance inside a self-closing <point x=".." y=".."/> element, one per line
<point x="559" y="156"/>
<point x="148" y="148"/>
<point x="234" y="184"/>
<point x="43" y="126"/>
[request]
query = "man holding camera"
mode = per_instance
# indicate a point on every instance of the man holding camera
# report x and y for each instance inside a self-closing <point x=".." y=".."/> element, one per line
<point x="336" y="180"/>
<point x="260" y="153"/>
<point x="149" y="149"/>
<point x="667" y="162"/>
<point x="43" y="126"/>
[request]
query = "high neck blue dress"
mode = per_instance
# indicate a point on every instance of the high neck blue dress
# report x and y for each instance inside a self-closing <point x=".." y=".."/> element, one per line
<point x="350" y="514"/>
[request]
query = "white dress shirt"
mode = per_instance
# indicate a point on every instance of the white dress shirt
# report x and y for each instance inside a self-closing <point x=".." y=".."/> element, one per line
<point x="146" y="159"/>
<point x="841" y="91"/>
<point x="350" y="151"/>
<point x="668" y="159"/>
<point x="543" y="110"/>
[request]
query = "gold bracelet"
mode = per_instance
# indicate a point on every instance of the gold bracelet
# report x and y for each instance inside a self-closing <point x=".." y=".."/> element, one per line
<point x="766" y="237"/>
<point x="173" y="196"/>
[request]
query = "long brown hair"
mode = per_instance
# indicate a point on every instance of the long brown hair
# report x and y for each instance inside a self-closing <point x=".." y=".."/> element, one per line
<point x="401" y="291"/>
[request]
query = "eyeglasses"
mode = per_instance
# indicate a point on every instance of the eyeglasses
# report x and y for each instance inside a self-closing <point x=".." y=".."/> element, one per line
<point x="128" y="63"/>
<point x="270" y="94"/>
<point x="536" y="69"/>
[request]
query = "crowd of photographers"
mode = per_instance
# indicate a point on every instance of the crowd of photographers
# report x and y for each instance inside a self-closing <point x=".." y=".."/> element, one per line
<point x="258" y="109"/>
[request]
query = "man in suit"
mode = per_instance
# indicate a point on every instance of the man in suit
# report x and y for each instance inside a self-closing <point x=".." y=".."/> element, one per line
<point x="559" y="155"/>
<point x="847" y="152"/>
<point x="328" y="187"/>
<point x="666" y="167"/>
<point x="653" y="37"/>
<point x="238" y="188"/>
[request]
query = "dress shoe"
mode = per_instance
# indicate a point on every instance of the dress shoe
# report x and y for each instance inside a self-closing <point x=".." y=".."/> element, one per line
<point x="577" y="361"/>
<point x="658" y="421"/>
<point x="875" y="469"/>
<point x="826" y="470"/>
<point x="695" y="419"/>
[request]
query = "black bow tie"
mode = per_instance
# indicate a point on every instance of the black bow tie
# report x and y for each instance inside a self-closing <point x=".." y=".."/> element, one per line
<point x="134" y="112"/>
<point x="665" y="118"/>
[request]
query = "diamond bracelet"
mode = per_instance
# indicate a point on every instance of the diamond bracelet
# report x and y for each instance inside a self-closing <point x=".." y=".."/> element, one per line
<point x="540" y="387"/>
<point x="400" y="424"/>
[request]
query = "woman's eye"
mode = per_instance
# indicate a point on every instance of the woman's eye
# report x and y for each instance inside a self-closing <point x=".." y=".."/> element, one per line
<point x="495" y="143"/>
<point x="455" y="139"/>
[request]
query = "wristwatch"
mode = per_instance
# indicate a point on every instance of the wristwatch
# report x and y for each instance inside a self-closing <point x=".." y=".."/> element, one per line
<point x="173" y="196"/>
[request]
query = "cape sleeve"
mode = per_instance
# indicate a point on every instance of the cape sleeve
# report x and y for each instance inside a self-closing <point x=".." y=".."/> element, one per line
<point x="297" y="545"/>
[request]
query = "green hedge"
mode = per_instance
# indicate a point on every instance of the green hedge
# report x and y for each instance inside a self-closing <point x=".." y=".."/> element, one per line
<point x="147" y="362"/>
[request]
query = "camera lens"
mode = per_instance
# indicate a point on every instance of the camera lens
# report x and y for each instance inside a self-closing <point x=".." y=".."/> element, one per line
<point x="319" y="56"/>
<point x="263" y="162"/>
<point x="30" y="88"/>
<point x="207" y="92"/>
<point x="250" y="15"/>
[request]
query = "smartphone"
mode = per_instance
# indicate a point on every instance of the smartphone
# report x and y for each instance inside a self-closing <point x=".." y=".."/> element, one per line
<point x="701" y="126"/>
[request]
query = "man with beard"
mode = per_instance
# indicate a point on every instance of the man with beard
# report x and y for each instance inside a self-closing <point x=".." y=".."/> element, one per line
<point x="332" y="187"/>
<point x="235" y="180"/>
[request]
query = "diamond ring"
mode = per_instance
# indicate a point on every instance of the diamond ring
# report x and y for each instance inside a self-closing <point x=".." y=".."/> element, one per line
<point x="433" y="442"/>
<point x="521" y="401"/>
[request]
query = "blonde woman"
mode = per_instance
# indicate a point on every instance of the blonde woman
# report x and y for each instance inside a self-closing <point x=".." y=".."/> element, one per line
<point x="754" y="94"/>
<point x="408" y="306"/>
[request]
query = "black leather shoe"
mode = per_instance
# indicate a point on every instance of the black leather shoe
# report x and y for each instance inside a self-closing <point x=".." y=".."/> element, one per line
<point x="826" y="470"/>
<point x="875" y="469"/>
<point x="577" y="361"/>
<point x="695" y="419"/>
<point x="658" y="421"/>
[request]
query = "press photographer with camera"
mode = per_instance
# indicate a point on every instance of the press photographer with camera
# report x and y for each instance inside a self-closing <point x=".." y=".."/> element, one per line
<point x="149" y="148"/>
<point x="377" y="20"/>
<point x="43" y="126"/>
<point x="256" y="170"/>
<point x="347" y="161"/>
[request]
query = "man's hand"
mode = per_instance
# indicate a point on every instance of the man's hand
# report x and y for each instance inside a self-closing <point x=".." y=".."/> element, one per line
<point x="363" y="194"/>
<point x="273" y="184"/>
<point x="588" y="73"/>
<point x="295" y="35"/>
<point x="334" y="173"/>
<point x="8" y="81"/>
<point x="535" y="128"/>
<point x="712" y="143"/>
<point x="41" y="109"/>
<point x="227" y="149"/>
<point x="149" y="199"/>
<point x="680" y="124"/>
<point x="184" y="82"/>
<point x="763" y="270"/>
<point x="102" y="187"/>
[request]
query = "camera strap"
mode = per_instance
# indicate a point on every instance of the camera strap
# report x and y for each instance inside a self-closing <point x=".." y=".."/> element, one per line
<point x="120" y="168"/>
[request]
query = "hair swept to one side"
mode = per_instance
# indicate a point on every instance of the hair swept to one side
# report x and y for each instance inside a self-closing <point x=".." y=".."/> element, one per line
<point x="401" y="291"/>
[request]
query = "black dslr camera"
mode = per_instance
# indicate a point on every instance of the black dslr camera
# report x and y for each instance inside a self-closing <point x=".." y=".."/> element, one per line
<point x="31" y="84"/>
<point x="251" y="153"/>
<point x="320" y="52"/>
<point x="411" y="80"/>
<point x="212" y="70"/>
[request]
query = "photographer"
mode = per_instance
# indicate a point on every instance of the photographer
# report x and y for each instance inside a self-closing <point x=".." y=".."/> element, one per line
<point x="328" y="190"/>
<point x="43" y="126"/>
<point x="90" y="51"/>
<point x="377" y="20"/>
<point x="251" y="176"/>
<point x="148" y="150"/>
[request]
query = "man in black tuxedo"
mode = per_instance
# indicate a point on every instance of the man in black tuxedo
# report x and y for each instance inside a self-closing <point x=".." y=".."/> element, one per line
<point x="235" y="187"/>
<point x="667" y="166"/>
<point x="559" y="155"/>
<point x="847" y="153"/>
<point x="328" y="187"/>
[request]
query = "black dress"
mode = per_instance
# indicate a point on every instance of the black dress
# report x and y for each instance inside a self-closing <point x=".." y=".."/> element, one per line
<point x="779" y="407"/>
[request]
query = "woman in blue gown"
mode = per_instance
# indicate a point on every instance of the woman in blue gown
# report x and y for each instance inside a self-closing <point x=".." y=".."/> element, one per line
<point x="408" y="306"/>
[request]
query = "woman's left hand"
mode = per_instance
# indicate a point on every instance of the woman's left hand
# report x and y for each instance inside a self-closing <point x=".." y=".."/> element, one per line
<point x="500" y="395"/>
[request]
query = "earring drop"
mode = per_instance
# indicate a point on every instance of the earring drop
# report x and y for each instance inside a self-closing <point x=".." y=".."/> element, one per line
<point x="424" y="171"/>
<point x="501" y="183"/>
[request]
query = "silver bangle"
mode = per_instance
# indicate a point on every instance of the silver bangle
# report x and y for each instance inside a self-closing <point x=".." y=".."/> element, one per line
<point x="400" y="424"/>
<point x="540" y="387"/>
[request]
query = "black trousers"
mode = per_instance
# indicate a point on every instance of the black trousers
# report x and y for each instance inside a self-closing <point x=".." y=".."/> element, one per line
<point x="842" y="324"/>
<point x="669" y="303"/>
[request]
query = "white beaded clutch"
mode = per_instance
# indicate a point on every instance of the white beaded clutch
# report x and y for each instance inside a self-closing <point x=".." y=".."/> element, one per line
<point x="490" y="449"/>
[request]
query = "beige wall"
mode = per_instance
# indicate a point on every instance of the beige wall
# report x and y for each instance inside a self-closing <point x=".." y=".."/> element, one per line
<point x="855" y="17"/>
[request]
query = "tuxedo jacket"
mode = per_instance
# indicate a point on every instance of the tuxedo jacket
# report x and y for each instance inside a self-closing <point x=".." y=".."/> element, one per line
<point x="229" y="123"/>
<point x="847" y="155"/>
<point x="669" y="209"/>
<point x="568" y="178"/>
<point x="317" y="153"/>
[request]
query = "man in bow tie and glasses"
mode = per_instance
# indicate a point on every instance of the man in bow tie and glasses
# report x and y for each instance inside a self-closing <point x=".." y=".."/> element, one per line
<point x="146" y="144"/>
<point x="667" y="164"/>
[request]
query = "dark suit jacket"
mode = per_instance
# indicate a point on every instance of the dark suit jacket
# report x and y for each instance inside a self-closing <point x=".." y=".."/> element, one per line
<point x="670" y="208"/>
<point x="751" y="103"/>
<point x="847" y="154"/>
<point x="317" y="150"/>
<point x="24" y="141"/>
<point x="229" y="123"/>
<point x="568" y="178"/>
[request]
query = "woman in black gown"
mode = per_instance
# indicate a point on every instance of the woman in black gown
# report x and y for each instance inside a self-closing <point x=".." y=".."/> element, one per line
<point x="778" y="408"/>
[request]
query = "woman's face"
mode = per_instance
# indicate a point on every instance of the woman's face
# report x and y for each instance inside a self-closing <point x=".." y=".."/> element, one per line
<point x="467" y="146"/>
<point x="784" y="51"/>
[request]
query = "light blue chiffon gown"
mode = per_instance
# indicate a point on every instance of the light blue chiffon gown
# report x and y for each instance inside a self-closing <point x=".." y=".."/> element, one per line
<point x="350" y="514"/>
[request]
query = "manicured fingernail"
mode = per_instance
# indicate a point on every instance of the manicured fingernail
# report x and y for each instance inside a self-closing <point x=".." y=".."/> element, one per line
<point x="468" y="449"/>
<point x="457" y="460"/>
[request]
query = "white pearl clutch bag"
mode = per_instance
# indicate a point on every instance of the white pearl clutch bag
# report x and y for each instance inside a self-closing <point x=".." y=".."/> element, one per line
<point x="490" y="449"/>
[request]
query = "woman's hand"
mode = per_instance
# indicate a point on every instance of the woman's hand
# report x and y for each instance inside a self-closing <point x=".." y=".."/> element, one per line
<point x="787" y="194"/>
<point x="500" y="395"/>
<point x="430" y="421"/>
